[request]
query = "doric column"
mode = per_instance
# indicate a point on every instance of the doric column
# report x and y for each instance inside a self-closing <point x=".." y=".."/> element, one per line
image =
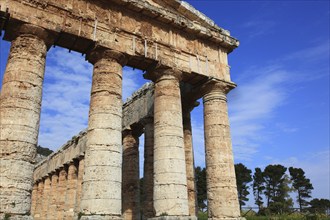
<point x="70" y="200"/>
<point x="170" y="180"/>
<point x="79" y="184"/>
<point x="131" y="176"/>
<point x="148" y="173"/>
<point x="45" y="198"/>
<point x="61" y="192"/>
<point x="190" y="165"/>
<point x="52" y="212"/>
<point x="220" y="172"/>
<point x="38" y="210"/>
<point x="34" y="197"/>
<point x="20" y="104"/>
<point x="102" y="179"/>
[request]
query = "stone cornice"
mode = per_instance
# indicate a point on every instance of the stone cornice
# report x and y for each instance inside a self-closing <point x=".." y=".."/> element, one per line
<point x="204" y="27"/>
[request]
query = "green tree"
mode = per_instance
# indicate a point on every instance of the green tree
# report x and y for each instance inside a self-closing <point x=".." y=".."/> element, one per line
<point x="282" y="201"/>
<point x="201" y="187"/>
<point x="258" y="186"/>
<point x="277" y="189"/>
<point x="302" y="185"/>
<point x="44" y="151"/>
<point x="320" y="206"/>
<point x="243" y="177"/>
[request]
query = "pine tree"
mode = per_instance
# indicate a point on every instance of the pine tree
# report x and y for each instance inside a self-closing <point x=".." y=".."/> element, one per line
<point x="243" y="177"/>
<point x="302" y="185"/>
<point x="258" y="187"/>
<point x="277" y="190"/>
<point x="201" y="187"/>
<point x="320" y="206"/>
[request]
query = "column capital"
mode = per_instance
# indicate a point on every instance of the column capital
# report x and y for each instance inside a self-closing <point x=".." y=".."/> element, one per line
<point x="160" y="72"/>
<point x="216" y="89"/>
<point x="100" y="52"/>
<point x="135" y="132"/>
<point x="33" y="31"/>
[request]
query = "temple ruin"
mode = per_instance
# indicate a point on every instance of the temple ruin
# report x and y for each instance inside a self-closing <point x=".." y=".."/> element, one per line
<point x="95" y="175"/>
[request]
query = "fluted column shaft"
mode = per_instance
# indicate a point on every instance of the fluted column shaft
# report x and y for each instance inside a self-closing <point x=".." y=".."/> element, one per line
<point x="52" y="210"/>
<point x="79" y="185"/>
<point x="103" y="157"/>
<point x="20" y="104"/>
<point x="61" y="192"/>
<point x="148" y="177"/>
<point x="45" y="198"/>
<point x="170" y="180"/>
<point x="38" y="210"/>
<point x="70" y="200"/>
<point x="220" y="172"/>
<point x="131" y="177"/>
<point x="190" y="165"/>
<point x="34" y="197"/>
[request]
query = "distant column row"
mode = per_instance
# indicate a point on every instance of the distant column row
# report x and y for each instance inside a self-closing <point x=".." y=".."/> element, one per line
<point x="58" y="195"/>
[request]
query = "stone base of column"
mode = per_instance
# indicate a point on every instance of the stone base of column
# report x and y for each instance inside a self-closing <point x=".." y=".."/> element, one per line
<point x="174" y="218"/>
<point x="16" y="217"/>
<point x="100" y="217"/>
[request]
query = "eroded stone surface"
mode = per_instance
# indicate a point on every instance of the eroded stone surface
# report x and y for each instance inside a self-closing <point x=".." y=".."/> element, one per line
<point x="20" y="104"/>
<point x="71" y="193"/>
<point x="103" y="156"/>
<point x="190" y="165"/>
<point x="220" y="172"/>
<point x="131" y="177"/>
<point x="170" y="183"/>
<point x="148" y="178"/>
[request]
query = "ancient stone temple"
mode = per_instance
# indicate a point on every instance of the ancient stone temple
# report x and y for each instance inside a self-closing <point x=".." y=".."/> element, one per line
<point x="96" y="174"/>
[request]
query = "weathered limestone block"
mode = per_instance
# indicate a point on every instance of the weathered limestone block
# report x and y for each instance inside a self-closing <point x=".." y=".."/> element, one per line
<point x="45" y="198"/>
<point x="79" y="185"/>
<point x="40" y="192"/>
<point x="103" y="156"/>
<point x="71" y="192"/>
<point x="170" y="180"/>
<point x="190" y="166"/>
<point x="139" y="106"/>
<point x="131" y="177"/>
<point x="20" y="103"/>
<point x="52" y="211"/>
<point x="148" y="178"/>
<point x="61" y="192"/>
<point x="34" y="198"/>
<point x="220" y="172"/>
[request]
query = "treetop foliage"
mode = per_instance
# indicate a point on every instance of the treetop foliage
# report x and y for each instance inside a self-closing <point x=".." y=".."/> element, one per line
<point x="274" y="184"/>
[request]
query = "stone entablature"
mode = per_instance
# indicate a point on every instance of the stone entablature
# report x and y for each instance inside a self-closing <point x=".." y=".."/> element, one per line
<point x="187" y="41"/>
<point x="139" y="106"/>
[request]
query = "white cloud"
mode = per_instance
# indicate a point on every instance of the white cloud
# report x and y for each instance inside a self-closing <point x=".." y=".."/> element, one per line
<point x="258" y="27"/>
<point x="251" y="105"/>
<point x="316" y="53"/>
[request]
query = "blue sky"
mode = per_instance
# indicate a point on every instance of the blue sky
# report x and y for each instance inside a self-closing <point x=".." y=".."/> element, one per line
<point x="279" y="112"/>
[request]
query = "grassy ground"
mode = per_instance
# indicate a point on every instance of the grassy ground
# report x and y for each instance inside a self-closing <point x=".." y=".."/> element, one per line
<point x="295" y="216"/>
<point x="287" y="217"/>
